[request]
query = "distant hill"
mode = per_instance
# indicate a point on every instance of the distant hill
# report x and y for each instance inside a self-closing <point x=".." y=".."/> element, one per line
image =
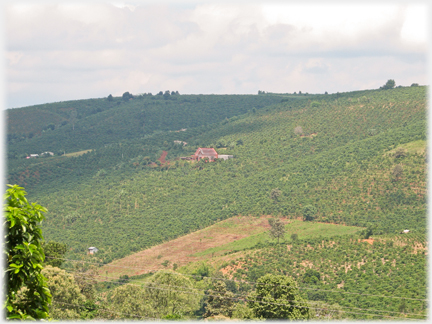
<point x="85" y="124"/>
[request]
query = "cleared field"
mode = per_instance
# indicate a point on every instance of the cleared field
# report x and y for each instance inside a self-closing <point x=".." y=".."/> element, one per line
<point x="181" y="250"/>
<point x="77" y="153"/>
<point x="417" y="147"/>
<point x="304" y="230"/>
<point x="231" y="235"/>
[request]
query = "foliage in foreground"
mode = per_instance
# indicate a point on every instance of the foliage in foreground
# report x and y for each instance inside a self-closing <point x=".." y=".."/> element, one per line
<point x="278" y="297"/>
<point x="28" y="296"/>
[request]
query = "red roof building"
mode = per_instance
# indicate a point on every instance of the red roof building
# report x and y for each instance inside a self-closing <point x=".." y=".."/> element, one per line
<point x="203" y="152"/>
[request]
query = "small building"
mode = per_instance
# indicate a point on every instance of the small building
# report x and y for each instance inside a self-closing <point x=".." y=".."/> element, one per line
<point x="92" y="250"/>
<point x="225" y="157"/>
<point x="405" y="231"/>
<point x="204" y="152"/>
<point x="33" y="156"/>
<point x="47" y="153"/>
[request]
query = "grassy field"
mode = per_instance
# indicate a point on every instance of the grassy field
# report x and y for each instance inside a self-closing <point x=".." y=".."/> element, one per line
<point x="77" y="153"/>
<point x="415" y="147"/>
<point x="304" y="230"/>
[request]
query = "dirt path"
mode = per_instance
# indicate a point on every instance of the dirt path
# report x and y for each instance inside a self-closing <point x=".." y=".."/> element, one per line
<point x="181" y="250"/>
<point x="163" y="156"/>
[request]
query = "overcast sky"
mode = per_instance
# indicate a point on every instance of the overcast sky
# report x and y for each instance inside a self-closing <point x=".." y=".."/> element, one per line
<point x="66" y="51"/>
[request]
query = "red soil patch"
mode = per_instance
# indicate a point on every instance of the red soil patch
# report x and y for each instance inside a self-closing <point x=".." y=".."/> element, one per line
<point x="163" y="156"/>
<point x="370" y="241"/>
<point x="181" y="250"/>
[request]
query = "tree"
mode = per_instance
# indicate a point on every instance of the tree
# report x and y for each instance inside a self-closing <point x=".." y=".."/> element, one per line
<point x="220" y="301"/>
<point x="368" y="232"/>
<point x="126" y="96"/>
<point x="400" y="152"/>
<point x="202" y="271"/>
<point x="294" y="237"/>
<point x="174" y="298"/>
<point x="414" y="85"/>
<point x="397" y="172"/>
<point x="165" y="263"/>
<point x="309" y="212"/>
<point x="28" y="296"/>
<point x="277" y="228"/>
<point x="129" y="302"/>
<point x="124" y="279"/>
<point x="54" y="253"/>
<point x="390" y="84"/>
<point x="311" y="276"/>
<point x="85" y="278"/>
<point x="66" y="295"/>
<point x="110" y="97"/>
<point x="274" y="194"/>
<point x="278" y="297"/>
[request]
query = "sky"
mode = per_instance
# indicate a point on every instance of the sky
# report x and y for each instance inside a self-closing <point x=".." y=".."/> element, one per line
<point x="59" y="51"/>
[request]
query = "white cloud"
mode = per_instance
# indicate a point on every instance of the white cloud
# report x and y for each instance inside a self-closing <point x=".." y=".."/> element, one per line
<point x="415" y="26"/>
<point x="90" y="50"/>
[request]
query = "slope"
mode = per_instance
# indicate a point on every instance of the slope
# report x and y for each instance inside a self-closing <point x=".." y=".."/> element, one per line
<point x="342" y="164"/>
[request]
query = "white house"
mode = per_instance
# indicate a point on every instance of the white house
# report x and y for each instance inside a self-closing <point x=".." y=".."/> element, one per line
<point x="47" y="153"/>
<point x="225" y="157"/>
<point x="92" y="250"/>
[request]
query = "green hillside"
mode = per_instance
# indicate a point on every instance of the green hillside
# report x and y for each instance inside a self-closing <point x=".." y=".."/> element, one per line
<point x="356" y="159"/>
<point x="342" y="163"/>
<point x="84" y="124"/>
<point x="376" y="278"/>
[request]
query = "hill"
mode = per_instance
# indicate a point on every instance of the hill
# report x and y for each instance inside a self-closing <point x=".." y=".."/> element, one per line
<point x="342" y="163"/>
<point x="212" y="243"/>
<point x="354" y="162"/>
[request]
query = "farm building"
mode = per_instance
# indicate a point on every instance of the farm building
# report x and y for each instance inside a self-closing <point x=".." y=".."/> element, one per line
<point x="203" y="152"/>
<point x="92" y="250"/>
<point x="225" y="157"/>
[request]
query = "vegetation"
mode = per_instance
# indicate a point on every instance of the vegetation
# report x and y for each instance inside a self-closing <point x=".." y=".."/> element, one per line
<point x="343" y="172"/>
<point x="332" y="171"/>
<point x="346" y="271"/>
<point x="66" y="295"/>
<point x="28" y="296"/>
<point x="278" y="298"/>
<point x="277" y="228"/>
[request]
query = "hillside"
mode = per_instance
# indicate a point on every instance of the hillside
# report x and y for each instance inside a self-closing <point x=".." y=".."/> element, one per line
<point x="212" y="243"/>
<point x="342" y="163"/>
<point x="357" y="160"/>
